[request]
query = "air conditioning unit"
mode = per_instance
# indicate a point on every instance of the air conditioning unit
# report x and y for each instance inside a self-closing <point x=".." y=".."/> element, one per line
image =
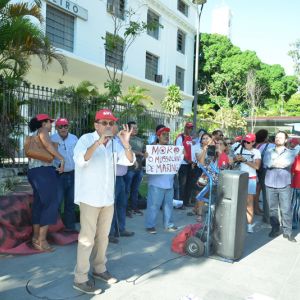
<point x="158" y="78"/>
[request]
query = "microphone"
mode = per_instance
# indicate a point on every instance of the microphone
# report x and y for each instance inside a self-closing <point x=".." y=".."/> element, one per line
<point x="108" y="134"/>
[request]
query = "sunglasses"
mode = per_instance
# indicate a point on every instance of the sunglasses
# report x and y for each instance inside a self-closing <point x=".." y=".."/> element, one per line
<point x="105" y="123"/>
<point x="248" y="142"/>
<point x="63" y="126"/>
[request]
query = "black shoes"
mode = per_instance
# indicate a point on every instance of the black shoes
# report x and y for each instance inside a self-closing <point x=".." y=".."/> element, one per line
<point x="274" y="233"/>
<point x="290" y="238"/>
<point x="113" y="239"/>
<point x="126" y="233"/>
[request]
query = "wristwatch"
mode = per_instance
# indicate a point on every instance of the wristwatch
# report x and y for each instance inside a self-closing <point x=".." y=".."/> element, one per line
<point x="128" y="149"/>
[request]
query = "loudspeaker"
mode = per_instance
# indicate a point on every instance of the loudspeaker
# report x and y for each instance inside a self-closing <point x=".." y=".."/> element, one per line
<point x="230" y="214"/>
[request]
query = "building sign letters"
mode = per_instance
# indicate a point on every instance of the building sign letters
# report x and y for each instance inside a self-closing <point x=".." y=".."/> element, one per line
<point x="71" y="8"/>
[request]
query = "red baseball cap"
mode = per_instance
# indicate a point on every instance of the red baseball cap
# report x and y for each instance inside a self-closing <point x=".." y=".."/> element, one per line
<point x="189" y="124"/>
<point x="61" y="121"/>
<point x="105" y="114"/>
<point x="294" y="141"/>
<point x="250" y="137"/>
<point x="43" y="117"/>
<point x="160" y="131"/>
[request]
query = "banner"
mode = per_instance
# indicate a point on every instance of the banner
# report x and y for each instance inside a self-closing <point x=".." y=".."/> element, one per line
<point x="163" y="159"/>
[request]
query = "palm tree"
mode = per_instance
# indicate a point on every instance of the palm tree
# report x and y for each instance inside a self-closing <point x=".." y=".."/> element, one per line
<point x="22" y="38"/>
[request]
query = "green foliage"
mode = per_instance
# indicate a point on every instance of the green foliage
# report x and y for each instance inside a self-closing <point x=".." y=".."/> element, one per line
<point x="294" y="53"/>
<point x="11" y="120"/>
<point x="21" y="38"/>
<point x="223" y="72"/>
<point x="292" y="107"/>
<point x="172" y="102"/>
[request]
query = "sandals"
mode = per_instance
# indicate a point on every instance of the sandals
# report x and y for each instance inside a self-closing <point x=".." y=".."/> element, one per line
<point x="42" y="248"/>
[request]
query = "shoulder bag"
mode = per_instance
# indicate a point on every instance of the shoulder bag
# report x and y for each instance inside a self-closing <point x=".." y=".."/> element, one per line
<point x="35" y="149"/>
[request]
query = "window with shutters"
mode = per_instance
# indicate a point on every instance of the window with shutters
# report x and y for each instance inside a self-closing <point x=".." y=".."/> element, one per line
<point x="180" y="41"/>
<point x="151" y="66"/>
<point x="153" y="20"/>
<point x="60" y="28"/>
<point x="183" y="7"/>
<point x="114" y="51"/>
<point x="180" y="77"/>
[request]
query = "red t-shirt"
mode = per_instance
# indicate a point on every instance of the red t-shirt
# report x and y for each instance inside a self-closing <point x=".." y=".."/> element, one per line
<point x="295" y="170"/>
<point x="187" y="145"/>
<point x="223" y="160"/>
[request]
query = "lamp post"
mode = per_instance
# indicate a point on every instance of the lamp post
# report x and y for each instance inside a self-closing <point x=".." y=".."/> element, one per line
<point x="200" y="4"/>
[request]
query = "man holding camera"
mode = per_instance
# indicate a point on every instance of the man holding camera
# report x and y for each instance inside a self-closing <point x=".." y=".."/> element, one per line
<point x="96" y="156"/>
<point x="66" y="144"/>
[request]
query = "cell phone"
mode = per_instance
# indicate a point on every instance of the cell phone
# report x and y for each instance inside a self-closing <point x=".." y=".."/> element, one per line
<point x="211" y="150"/>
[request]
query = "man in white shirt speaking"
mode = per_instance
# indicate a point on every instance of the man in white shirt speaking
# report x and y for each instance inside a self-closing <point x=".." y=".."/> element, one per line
<point x="96" y="156"/>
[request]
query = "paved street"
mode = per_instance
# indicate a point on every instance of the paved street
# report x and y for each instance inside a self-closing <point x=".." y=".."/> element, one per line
<point x="268" y="267"/>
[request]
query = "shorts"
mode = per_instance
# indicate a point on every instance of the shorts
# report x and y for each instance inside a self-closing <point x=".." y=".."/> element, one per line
<point x="252" y="186"/>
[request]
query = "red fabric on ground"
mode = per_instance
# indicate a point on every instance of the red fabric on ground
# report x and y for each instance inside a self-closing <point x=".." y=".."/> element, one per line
<point x="16" y="226"/>
<point x="179" y="240"/>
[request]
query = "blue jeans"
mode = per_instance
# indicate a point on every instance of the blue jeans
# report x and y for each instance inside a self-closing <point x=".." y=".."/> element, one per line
<point x="158" y="197"/>
<point x="133" y="179"/>
<point x="296" y="207"/>
<point x="119" y="218"/>
<point x="66" y="194"/>
<point x="281" y="197"/>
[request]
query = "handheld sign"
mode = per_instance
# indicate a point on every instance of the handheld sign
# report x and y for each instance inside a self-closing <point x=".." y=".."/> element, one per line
<point x="163" y="159"/>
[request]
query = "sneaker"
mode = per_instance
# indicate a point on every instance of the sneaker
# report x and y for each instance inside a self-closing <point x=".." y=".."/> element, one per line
<point x="250" y="228"/>
<point x="151" y="230"/>
<point x="137" y="212"/>
<point x="106" y="277"/>
<point x="126" y="233"/>
<point x="290" y="238"/>
<point x="171" y="229"/>
<point x="274" y="233"/>
<point x="87" y="287"/>
<point x="113" y="239"/>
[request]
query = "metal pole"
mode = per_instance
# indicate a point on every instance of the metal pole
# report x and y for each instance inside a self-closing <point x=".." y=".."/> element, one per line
<point x="196" y="67"/>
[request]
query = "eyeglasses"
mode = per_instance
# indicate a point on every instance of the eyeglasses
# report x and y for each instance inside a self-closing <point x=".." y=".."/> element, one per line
<point x="63" y="126"/>
<point x="105" y="123"/>
<point x="248" y="142"/>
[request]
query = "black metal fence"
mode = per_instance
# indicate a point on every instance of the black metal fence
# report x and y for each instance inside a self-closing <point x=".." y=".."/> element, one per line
<point x="20" y="102"/>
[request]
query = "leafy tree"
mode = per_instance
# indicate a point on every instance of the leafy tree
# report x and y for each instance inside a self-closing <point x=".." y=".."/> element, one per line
<point x="295" y="55"/>
<point x="254" y="92"/>
<point x="292" y="106"/>
<point x="172" y="102"/>
<point x="21" y="38"/>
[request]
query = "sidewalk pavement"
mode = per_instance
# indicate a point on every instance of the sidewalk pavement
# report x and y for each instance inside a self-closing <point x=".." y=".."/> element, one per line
<point x="269" y="267"/>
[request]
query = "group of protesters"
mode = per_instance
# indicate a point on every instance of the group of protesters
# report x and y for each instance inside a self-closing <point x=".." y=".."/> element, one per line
<point x="101" y="170"/>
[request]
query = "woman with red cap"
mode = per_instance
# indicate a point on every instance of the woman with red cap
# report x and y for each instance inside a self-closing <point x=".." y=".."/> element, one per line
<point x="44" y="182"/>
<point x="250" y="160"/>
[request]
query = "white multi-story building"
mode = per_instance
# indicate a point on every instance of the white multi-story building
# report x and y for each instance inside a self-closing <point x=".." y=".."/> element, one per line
<point x="154" y="61"/>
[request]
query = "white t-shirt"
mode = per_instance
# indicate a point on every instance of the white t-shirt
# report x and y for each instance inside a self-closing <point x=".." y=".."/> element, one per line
<point x="249" y="155"/>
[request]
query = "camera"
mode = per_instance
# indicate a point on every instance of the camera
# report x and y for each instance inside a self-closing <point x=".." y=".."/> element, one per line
<point x="211" y="150"/>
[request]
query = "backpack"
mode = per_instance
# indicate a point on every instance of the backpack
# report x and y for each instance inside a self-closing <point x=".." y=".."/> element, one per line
<point x="182" y="136"/>
<point x="261" y="168"/>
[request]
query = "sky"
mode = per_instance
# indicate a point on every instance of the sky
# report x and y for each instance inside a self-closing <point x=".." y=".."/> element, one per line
<point x="267" y="27"/>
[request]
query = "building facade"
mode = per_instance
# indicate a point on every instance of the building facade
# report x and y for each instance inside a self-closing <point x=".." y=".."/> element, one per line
<point x="155" y="60"/>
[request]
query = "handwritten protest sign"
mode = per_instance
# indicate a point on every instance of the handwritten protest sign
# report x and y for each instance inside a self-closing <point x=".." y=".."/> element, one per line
<point x="163" y="159"/>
